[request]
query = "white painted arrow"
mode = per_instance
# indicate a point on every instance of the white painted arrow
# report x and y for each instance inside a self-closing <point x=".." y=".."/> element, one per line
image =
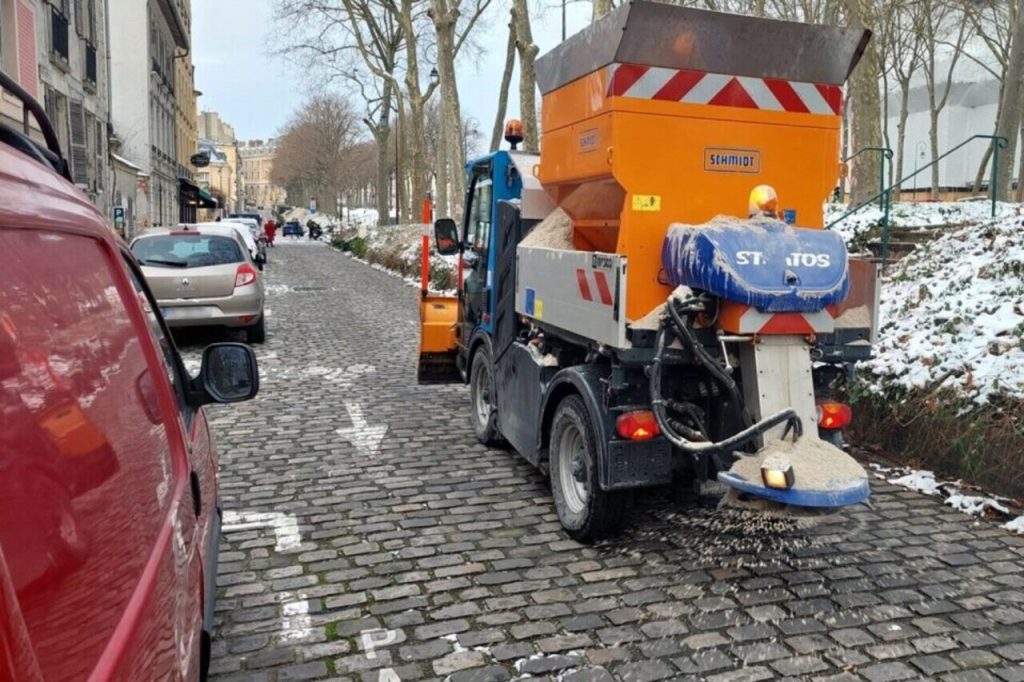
<point x="361" y="434"/>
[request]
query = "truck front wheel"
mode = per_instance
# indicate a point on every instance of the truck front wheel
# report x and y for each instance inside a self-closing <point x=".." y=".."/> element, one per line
<point x="481" y="397"/>
<point x="586" y="512"/>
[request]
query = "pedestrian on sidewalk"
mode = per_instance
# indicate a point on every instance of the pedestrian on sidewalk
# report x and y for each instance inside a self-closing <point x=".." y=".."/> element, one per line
<point x="270" y="229"/>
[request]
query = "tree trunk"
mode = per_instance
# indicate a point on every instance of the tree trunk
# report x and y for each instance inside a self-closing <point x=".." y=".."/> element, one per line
<point x="867" y="111"/>
<point x="601" y="8"/>
<point x="451" y="152"/>
<point x="506" y="80"/>
<point x="1009" y="122"/>
<point x="381" y="130"/>
<point x="901" y="135"/>
<point x="933" y="142"/>
<point x="527" y="74"/>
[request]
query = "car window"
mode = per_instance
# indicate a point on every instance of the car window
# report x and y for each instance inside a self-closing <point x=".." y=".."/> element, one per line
<point x="172" y="360"/>
<point x="187" y="250"/>
<point x="84" y="448"/>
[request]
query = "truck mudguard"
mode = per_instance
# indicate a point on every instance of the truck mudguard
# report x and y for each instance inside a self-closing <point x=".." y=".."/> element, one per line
<point x="621" y="464"/>
<point x="759" y="262"/>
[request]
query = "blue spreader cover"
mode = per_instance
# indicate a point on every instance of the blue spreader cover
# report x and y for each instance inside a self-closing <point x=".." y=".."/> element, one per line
<point x="760" y="262"/>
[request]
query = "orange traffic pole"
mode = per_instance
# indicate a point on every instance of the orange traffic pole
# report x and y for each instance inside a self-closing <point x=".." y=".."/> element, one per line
<point x="428" y="209"/>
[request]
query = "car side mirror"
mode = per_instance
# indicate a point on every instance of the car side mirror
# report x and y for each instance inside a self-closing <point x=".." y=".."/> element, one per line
<point x="229" y="374"/>
<point x="446" y="237"/>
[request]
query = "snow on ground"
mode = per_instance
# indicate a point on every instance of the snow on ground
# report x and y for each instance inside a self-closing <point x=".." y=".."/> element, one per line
<point x="953" y="315"/>
<point x="922" y="214"/>
<point x="953" y="492"/>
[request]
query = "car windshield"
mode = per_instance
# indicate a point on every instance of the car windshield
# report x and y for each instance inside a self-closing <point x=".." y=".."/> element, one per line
<point x="187" y="251"/>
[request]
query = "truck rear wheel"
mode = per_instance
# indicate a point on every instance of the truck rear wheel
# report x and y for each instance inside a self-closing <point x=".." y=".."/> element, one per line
<point x="484" y="415"/>
<point x="585" y="511"/>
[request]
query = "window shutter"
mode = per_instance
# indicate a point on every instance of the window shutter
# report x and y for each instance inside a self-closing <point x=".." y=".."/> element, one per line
<point x="101" y="165"/>
<point x="79" y="153"/>
<point x="27" y="59"/>
<point x="78" y="17"/>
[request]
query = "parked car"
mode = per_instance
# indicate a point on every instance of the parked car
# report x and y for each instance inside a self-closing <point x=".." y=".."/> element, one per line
<point x="251" y="233"/>
<point x="252" y="215"/>
<point x="109" y="517"/>
<point x="293" y="228"/>
<point x="203" y="276"/>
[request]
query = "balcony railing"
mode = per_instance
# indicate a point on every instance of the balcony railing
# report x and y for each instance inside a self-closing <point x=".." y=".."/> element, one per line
<point x="59" y="25"/>
<point x="90" y="64"/>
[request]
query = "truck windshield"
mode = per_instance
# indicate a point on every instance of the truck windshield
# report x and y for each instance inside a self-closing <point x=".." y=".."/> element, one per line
<point x="187" y="251"/>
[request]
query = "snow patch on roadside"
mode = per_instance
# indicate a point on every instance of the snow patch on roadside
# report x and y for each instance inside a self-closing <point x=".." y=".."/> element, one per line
<point x="924" y="215"/>
<point x="923" y="481"/>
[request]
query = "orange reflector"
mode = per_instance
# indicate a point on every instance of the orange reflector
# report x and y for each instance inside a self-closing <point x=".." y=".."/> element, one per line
<point x="638" y="425"/>
<point x="833" y="415"/>
<point x="764" y="201"/>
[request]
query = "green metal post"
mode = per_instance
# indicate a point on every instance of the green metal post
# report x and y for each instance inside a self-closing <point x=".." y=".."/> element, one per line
<point x="881" y="180"/>
<point x="992" y="182"/>
<point x="885" y="228"/>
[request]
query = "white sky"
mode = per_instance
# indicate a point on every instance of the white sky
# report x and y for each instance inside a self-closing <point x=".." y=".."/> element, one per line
<point x="253" y="90"/>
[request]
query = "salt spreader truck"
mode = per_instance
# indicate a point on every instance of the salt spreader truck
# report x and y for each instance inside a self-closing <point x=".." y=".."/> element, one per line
<point x="653" y="299"/>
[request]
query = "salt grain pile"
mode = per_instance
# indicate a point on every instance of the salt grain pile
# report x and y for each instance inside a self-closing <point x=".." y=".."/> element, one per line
<point x="554" y="232"/>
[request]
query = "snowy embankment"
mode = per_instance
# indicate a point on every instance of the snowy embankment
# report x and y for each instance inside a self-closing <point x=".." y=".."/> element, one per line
<point x="920" y="215"/>
<point x="946" y="383"/>
<point x="396" y="249"/>
<point x="952" y="315"/>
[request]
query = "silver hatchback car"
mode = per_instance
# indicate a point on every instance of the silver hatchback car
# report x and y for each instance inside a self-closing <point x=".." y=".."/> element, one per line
<point x="203" y="277"/>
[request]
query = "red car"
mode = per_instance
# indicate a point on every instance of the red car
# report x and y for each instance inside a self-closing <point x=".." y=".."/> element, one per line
<point x="109" y="518"/>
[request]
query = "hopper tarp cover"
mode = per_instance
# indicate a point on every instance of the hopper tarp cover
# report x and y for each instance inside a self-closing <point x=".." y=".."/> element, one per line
<point x="663" y="35"/>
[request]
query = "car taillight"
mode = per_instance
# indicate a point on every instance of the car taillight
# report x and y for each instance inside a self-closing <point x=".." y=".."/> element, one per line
<point x="833" y="415"/>
<point x="246" y="274"/>
<point x="637" y="425"/>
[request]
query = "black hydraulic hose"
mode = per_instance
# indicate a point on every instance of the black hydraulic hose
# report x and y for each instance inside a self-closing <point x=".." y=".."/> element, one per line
<point x="787" y="416"/>
<point x="686" y="334"/>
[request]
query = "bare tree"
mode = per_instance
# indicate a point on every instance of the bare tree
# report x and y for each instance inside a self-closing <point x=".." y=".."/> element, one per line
<point x="506" y="81"/>
<point x="359" y="43"/>
<point x="943" y="25"/>
<point x="454" y="21"/>
<point x="1008" y="123"/>
<point x="527" y="50"/>
<point x="900" y="39"/>
<point x="316" y="150"/>
<point x="863" y="100"/>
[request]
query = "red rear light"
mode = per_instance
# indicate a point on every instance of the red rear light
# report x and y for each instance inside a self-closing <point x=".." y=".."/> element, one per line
<point x="246" y="274"/>
<point x="833" y="415"/>
<point x="638" y="425"/>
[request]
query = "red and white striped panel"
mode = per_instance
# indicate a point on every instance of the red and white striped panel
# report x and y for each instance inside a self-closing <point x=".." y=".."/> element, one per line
<point x="697" y="87"/>
<point x="601" y="292"/>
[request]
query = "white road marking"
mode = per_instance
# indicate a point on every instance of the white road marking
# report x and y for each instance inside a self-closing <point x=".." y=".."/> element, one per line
<point x="375" y="639"/>
<point x="285" y="526"/>
<point x="366" y="437"/>
<point x="296" y="625"/>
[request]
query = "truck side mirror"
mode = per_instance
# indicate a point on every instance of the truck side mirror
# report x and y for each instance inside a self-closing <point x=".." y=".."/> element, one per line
<point x="446" y="237"/>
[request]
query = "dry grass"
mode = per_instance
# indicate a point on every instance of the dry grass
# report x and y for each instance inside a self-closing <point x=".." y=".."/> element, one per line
<point x="982" y="445"/>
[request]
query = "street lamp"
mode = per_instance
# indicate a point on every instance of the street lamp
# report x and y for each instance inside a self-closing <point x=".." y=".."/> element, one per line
<point x="435" y="77"/>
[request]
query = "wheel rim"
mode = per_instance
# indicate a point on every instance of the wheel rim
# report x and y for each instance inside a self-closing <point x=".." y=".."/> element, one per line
<point x="572" y="469"/>
<point x="482" y="391"/>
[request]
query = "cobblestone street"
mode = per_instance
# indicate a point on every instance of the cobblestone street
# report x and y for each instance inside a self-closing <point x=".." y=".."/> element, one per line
<point x="367" y="535"/>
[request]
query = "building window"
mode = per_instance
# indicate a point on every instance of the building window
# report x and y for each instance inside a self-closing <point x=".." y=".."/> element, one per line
<point x="90" y="63"/>
<point x="59" y="28"/>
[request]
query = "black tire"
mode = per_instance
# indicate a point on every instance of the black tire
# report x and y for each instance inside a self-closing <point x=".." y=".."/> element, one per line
<point x="585" y="510"/>
<point x="258" y="332"/>
<point x="483" y="414"/>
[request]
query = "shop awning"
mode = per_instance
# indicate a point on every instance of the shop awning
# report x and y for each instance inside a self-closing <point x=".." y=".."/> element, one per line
<point x="206" y="199"/>
<point x="196" y="194"/>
